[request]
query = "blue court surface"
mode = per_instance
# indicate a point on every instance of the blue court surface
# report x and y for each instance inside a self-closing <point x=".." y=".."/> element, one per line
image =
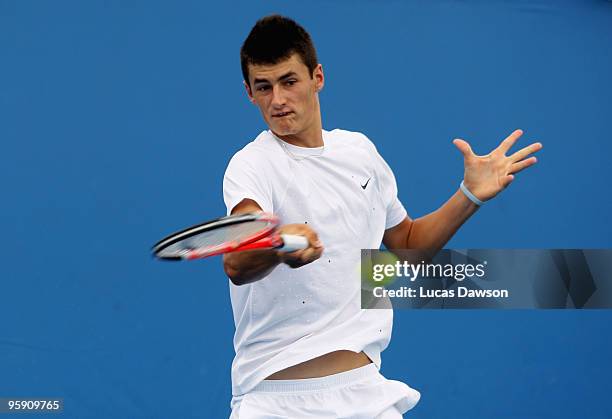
<point x="117" y="120"/>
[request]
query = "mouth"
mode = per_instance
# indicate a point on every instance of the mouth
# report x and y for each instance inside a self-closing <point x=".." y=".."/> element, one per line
<point x="281" y="114"/>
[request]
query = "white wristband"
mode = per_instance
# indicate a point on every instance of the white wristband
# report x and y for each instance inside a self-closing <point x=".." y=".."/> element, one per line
<point x="470" y="195"/>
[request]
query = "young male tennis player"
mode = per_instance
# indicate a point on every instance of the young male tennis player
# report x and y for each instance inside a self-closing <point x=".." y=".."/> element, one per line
<point x="304" y="347"/>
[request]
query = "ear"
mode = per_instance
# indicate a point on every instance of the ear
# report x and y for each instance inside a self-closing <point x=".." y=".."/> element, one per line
<point x="248" y="91"/>
<point x="318" y="77"/>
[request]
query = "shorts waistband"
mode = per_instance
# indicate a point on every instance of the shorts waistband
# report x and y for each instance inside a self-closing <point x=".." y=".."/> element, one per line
<point x="319" y="383"/>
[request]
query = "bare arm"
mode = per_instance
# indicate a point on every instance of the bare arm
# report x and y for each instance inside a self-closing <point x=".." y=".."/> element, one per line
<point x="485" y="176"/>
<point x="431" y="232"/>
<point x="253" y="265"/>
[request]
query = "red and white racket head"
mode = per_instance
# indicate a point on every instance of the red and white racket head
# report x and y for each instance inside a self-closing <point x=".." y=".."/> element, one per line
<point x="215" y="237"/>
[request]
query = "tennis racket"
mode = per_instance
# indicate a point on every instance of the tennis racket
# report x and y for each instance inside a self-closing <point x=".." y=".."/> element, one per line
<point x="234" y="233"/>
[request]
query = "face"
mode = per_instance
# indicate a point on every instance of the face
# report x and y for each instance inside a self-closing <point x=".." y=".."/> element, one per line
<point x="286" y="95"/>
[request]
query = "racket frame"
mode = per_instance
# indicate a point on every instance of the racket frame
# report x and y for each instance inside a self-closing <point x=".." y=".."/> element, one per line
<point x="226" y="247"/>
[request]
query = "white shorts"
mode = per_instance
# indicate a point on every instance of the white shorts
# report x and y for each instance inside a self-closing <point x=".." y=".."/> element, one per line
<point x="362" y="393"/>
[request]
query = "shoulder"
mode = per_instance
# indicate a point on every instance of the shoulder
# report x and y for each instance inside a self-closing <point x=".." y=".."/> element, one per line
<point x="257" y="152"/>
<point x="359" y="145"/>
<point x="352" y="139"/>
<point x="352" y="143"/>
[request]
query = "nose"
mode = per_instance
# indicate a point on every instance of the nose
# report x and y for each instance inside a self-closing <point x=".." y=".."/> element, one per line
<point x="278" y="97"/>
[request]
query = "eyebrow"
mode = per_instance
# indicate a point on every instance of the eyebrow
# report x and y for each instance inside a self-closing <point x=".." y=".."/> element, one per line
<point x="281" y="78"/>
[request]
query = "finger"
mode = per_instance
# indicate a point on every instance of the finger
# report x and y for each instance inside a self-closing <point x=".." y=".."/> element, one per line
<point x="315" y="242"/>
<point x="308" y="233"/>
<point x="309" y="255"/>
<point x="507" y="180"/>
<point x="312" y="237"/>
<point x="523" y="164"/>
<point x="509" y="141"/>
<point x="295" y="255"/>
<point x="464" y="147"/>
<point x="524" y="152"/>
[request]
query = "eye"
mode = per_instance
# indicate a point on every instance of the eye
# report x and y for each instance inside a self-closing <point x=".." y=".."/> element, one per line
<point x="262" y="88"/>
<point x="290" y="82"/>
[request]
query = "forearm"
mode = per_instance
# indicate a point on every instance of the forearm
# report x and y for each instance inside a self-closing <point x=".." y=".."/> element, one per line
<point x="250" y="266"/>
<point x="432" y="231"/>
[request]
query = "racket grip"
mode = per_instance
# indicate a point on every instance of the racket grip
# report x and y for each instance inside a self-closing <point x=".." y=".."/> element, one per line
<point x="291" y="243"/>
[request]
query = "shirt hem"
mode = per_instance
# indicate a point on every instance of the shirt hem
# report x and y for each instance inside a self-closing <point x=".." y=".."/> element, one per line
<point x="250" y="384"/>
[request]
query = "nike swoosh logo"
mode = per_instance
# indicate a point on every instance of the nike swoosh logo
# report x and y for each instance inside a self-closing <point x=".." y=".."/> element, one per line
<point x="366" y="184"/>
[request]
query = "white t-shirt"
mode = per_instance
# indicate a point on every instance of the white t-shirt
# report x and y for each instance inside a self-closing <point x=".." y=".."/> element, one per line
<point x="347" y="193"/>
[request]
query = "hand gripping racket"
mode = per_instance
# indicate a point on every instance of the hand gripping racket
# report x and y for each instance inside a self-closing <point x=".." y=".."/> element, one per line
<point x="234" y="233"/>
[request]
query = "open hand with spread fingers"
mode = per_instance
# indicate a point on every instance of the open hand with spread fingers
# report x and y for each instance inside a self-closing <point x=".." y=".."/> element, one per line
<point x="486" y="176"/>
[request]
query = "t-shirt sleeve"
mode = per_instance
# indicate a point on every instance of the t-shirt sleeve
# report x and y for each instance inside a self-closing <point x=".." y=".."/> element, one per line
<point x="388" y="188"/>
<point x="395" y="213"/>
<point x="395" y="210"/>
<point x="243" y="181"/>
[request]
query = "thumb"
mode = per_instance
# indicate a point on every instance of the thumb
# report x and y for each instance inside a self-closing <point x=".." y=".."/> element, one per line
<point x="464" y="147"/>
<point x="507" y="180"/>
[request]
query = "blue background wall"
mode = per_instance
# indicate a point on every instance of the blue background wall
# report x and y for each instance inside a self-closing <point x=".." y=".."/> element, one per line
<point x="117" y="120"/>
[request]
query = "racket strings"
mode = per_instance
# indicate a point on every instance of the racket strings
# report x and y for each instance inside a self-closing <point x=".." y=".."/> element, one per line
<point x="215" y="237"/>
